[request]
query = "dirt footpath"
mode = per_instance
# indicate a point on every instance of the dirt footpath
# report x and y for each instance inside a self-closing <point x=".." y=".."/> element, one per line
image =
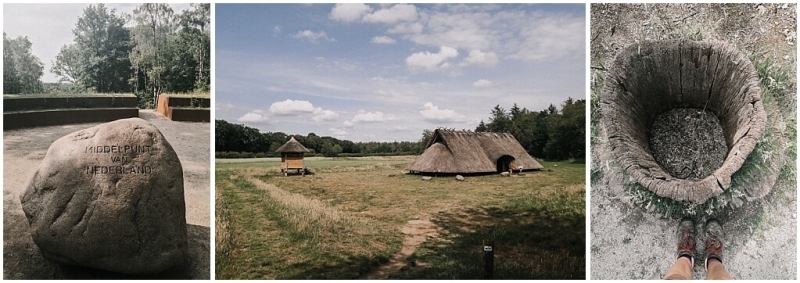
<point x="628" y="241"/>
<point x="25" y="148"/>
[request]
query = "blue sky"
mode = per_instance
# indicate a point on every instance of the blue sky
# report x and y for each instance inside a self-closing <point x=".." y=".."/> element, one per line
<point x="384" y="72"/>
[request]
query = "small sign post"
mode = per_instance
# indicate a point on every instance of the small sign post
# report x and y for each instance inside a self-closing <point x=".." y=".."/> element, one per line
<point x="488" y="259"/>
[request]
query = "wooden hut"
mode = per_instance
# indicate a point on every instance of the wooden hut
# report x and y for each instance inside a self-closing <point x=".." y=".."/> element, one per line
<point x="292" y="157"/>
<point x="465" y="152"/>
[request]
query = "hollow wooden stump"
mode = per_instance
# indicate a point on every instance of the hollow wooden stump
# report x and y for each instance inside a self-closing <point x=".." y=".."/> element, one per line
<point x="650" y="78"/>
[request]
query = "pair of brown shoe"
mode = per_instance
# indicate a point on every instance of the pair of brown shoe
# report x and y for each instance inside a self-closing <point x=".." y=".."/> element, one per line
<point x="713" y="240"/>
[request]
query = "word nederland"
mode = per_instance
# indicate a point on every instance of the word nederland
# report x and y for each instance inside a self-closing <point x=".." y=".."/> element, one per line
<point x="116" y="169"/>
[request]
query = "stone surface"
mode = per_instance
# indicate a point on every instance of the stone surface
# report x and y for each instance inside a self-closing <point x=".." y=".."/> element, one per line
<point x="426" y="178"/>
<point x="109" y="197"/>
<point x="505" y="174"/>
<point x="459" y="178"/>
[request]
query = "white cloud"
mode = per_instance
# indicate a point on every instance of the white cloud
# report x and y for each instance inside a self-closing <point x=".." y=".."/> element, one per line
<point x="339" y="64"/>
<point x="276" y="31"/>
<point x="513" y="34"/>
<point x="458" y="26"/>
<point x="349" y="12"/>
<point x="321" y="115"/>
<point x="291" y="107"/>
<point x="327" y="85"/>
<point x="476" y="57"/>
<point x="274" y="89"/>
<point x="348" y="125"/>
<point x="339" y="132"/>
<point x="252" y="117"/>
<point x="431" y="61"/>
<point x="482" y="84"/>
<point x="311" y="36"/>
<point x="301" y="107"/>
<point x="551" y="37"/>
<point x="383" y="40"/>
<point x="225" y="106"/>
<point x="432" y="113"/>
<point x="394" y="14"/>
<point x="407" y="28"/>
<point x="371" y="117"/>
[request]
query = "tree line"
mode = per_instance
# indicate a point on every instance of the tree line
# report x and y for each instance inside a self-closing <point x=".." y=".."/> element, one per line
<point x="240" y="141"/>
<point x="152" y="51"/>
<point x="552" y="133"/>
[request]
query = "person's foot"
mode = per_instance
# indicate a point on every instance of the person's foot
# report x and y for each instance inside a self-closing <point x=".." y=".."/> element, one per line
<point x="713" y="241"/>
<point x="686" y="239"/>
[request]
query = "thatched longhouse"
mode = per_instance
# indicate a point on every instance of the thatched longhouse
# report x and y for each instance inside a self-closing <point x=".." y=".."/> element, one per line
<point x="464" y="152"/>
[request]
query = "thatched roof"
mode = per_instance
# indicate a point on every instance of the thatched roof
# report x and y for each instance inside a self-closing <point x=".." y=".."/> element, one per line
<point x="292" y="146"/>
<point x="470" y="152"/>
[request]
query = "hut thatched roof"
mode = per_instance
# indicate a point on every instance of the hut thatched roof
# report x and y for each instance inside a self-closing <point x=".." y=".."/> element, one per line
<point x="292" y="146"/>
<point x="470" y="152"/>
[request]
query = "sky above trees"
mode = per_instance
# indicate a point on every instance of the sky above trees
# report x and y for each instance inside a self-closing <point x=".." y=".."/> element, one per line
<point x="49" y="27"/>
<point x="387" y="72"/>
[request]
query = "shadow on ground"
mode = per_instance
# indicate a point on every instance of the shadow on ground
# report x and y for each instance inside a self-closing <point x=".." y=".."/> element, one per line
<point x="22" y="259"/>
<point x="533" y="244"/>
<point x="349" y="267"/>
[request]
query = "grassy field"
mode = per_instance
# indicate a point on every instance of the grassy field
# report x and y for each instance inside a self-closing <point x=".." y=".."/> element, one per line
<point x="346" y="219"/>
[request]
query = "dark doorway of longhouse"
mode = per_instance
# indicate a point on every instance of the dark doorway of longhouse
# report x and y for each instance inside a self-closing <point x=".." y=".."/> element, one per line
<point x="504" y="163"/>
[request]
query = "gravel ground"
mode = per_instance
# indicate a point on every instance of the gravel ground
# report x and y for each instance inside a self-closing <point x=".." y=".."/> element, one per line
<point x="25" y="148"/>
<point x="628" y="242"/>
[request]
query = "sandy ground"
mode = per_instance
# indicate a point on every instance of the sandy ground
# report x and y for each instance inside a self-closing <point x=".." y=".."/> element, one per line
<point x="25" y="148"/>
<point x="627" y="242"/>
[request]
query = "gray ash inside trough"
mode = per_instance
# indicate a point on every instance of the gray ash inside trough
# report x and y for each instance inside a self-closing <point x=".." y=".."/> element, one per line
<point x="688" y="143"/>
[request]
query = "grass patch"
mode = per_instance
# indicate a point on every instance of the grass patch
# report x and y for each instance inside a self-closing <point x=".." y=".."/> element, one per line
<point x="346" y="219"/>
<point x="279" y="235"/>
<point x="536" y="236"/>
<point x="223" y="241"/>
<point x="316" y="164"/>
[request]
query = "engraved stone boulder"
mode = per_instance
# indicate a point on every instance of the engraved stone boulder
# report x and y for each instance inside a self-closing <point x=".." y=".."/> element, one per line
<point x="109" y="197"/>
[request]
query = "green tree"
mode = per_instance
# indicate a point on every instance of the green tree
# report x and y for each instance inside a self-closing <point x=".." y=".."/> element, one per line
<point x="22" y="71"/>
<point x="336" y="150"/>
<point x="540" y="134"/>
<point x="195" y="38"/>
<point x="500" y="121"/>
<point x="99" y="57"/>
<point x="423" y="141"/>
<point x="481" y="127"/>
<point x="566" y="130"/>
<point x="11" y="84"/>
<point x="68" y="64"/>
<point x="151" y="55"/>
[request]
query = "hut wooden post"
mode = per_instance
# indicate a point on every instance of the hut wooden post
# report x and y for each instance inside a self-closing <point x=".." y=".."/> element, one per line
<point x="488" y="260"/>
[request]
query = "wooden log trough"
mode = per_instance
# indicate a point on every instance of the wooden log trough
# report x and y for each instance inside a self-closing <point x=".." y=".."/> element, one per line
<point x="191" y="109"/>
<point x="650" y="78"/>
